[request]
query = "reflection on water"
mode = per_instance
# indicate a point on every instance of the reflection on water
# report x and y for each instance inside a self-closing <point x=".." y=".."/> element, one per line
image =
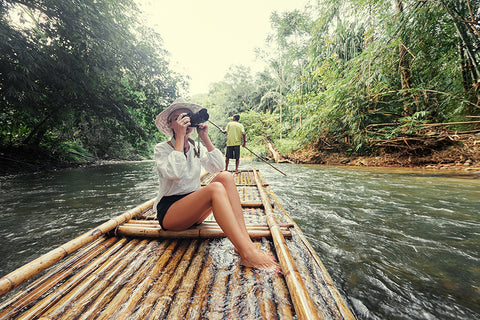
<point x="399" y="244"/>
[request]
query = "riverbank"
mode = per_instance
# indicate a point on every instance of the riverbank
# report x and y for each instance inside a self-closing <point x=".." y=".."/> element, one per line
<point x="455" y="153"/>
<point x="462" y="154"/>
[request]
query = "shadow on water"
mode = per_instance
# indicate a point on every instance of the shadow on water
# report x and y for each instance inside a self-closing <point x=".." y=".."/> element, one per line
<point x="399" y="243"/>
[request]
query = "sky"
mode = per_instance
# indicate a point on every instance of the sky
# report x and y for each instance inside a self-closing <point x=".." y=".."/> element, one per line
<point x="206" y="37"/>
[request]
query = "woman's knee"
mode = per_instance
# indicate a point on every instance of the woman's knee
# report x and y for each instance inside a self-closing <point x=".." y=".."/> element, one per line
<point x="224" y="177"/>
<point x="216" y="188"/>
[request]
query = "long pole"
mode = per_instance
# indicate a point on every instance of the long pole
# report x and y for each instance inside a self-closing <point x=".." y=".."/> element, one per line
<point x="264" y="161"/>
<point x="252" y="152"/>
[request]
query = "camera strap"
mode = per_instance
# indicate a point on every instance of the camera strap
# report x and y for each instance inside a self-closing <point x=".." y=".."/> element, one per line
<point x="196" y="150"/>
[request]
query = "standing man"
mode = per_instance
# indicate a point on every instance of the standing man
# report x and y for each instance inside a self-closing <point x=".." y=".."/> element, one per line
<point x="235" y="134"/>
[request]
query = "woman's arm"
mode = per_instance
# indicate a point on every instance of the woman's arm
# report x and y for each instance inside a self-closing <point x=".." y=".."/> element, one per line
<point x="203" y="133"/>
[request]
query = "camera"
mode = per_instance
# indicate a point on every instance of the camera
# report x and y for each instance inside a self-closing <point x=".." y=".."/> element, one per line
<point x="196" y="118"/>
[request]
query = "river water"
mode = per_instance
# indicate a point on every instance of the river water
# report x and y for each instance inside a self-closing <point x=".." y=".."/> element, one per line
<point x="398" y="243"/>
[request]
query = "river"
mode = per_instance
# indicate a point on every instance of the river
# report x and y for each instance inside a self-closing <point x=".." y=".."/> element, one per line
<point x="398" y="243"/>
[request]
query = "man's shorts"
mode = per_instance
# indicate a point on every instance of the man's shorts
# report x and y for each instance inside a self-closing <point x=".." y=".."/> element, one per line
<point x="233" y="152"/>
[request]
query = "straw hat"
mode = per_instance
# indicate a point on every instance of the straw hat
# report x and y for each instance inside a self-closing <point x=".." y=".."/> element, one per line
<point x="162" y="119"/>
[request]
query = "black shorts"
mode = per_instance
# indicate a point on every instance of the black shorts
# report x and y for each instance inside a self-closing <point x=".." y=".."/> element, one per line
<point x="233" y="152"/>
<point x="165" y="204"/>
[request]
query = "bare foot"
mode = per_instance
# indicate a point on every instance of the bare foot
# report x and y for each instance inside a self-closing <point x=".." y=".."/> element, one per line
<point x="260" y="260"/>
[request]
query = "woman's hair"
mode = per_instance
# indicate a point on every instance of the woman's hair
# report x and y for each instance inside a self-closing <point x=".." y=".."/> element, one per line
<point x="236" y="117"/>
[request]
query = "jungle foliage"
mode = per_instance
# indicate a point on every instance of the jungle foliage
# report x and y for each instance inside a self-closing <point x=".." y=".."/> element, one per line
<point x="88" y="78"/>
<point x="81" y="78"/>
<point x="356" y="73"/>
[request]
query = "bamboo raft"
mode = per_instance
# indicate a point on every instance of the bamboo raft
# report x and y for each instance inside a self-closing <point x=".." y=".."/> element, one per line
<point x="128" y="268"/>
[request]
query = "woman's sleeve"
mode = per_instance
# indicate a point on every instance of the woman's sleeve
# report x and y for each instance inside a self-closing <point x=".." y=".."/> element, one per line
<point x="170" y="164"/>
<point x="213" y="161"/>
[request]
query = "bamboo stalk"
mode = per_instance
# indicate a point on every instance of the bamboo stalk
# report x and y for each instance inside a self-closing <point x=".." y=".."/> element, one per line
<point x="125" y="302"/>
<point x="235" y="308"/>
<point x="249" y="288"/>
<point x="207" y="225"/>
<point x="55" y="296"/>
<point x="341" y="305"/>
<point x="22" y="299"/>
<point x="282" y="297"/>
<point x="199" y="300"/>
<point x="74" y="301"/>
<point x="302" y="302"/>
<point x="26" y="272"/>
<point x="183" y="296"/>
<point x="160" y="257"/>
<point x="165" y="301"/>
<point x="216" y="300"/>
<point x="170" y="260"/>
<point x="136" y="268"/>
<point x="149" y="232"/>
<point x="264" y="293"/>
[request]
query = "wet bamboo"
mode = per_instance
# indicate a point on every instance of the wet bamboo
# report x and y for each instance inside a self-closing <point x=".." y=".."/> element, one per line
<point x="302" y="302"/>
<point x="126" y="278"/>
<point x="189" y="233"/>
<point x="26" y="272"/>
<point x="341" y="305"/>
<point x="22" y="299"/>
<point x="216" y="300"/>
<point x="125" y="302"/>
<point x="199" y="300"/>
<point x="74" y="301"/>
<point x="235" y="304"/>
<point x="264" y="293"/>
<point x="59" y="292"/>
<point x="326" y="307"/>
<point x="249" y="287"/>
<point x="112" y="311"/>
<point x="156" y="290"/>
<point x="163" y="304"/>
<point x="184" y="293"/>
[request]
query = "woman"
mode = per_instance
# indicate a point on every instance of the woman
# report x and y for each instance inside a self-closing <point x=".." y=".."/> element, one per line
<point x="182" y="203"/>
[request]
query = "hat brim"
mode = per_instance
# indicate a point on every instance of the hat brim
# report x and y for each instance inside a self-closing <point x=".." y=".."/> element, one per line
<point x="162" y="119"/>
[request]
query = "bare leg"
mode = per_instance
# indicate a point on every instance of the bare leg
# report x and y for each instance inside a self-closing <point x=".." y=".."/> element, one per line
<point x="237" y="161"/>
<point x="196" y="207"/>
<point x="226" y="164"/>
<point x="226" y="179"/>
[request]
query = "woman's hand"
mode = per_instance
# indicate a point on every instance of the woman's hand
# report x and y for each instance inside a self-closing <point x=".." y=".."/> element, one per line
<point x="202" y="130"/>
<point x="180" y="125"/>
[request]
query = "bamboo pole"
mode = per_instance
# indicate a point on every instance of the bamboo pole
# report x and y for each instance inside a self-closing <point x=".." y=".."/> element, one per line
<point x="302" y="302"/>
<point x="265" y="294"/>
<point x="249" y="287"/>
<point x="22" y="299"/>
<point x="165" y="301"/>
<point x="235" y="305"/>
<point x="26" y="272"/>
<point x="199" y="300"/>
<point x="154" y="232"/>
<point x="74" y="301"/>
<point x="138" y="265"/>
<point x="172" y="260"/>
<point x="59" y="292"/>
<point x="216" y="300"/>
<point x="161" y="255"/>
<point x="183" y="296"/>
<point x="125" y="302"/>
<point x="341" y="305"/>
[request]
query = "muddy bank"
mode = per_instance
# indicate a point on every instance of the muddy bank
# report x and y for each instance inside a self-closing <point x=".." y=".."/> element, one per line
<point x="457" y="154"/>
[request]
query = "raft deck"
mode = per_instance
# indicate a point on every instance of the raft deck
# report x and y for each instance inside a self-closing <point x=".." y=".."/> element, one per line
<point x="128" y="268"/>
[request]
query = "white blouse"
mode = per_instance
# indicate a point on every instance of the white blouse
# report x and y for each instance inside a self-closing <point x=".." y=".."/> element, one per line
<point x="179" y="173"/>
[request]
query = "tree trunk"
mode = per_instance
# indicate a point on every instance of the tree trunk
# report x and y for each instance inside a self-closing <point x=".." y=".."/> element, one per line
<point x="277" y="156"/>
<point x="404" y="65"/>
